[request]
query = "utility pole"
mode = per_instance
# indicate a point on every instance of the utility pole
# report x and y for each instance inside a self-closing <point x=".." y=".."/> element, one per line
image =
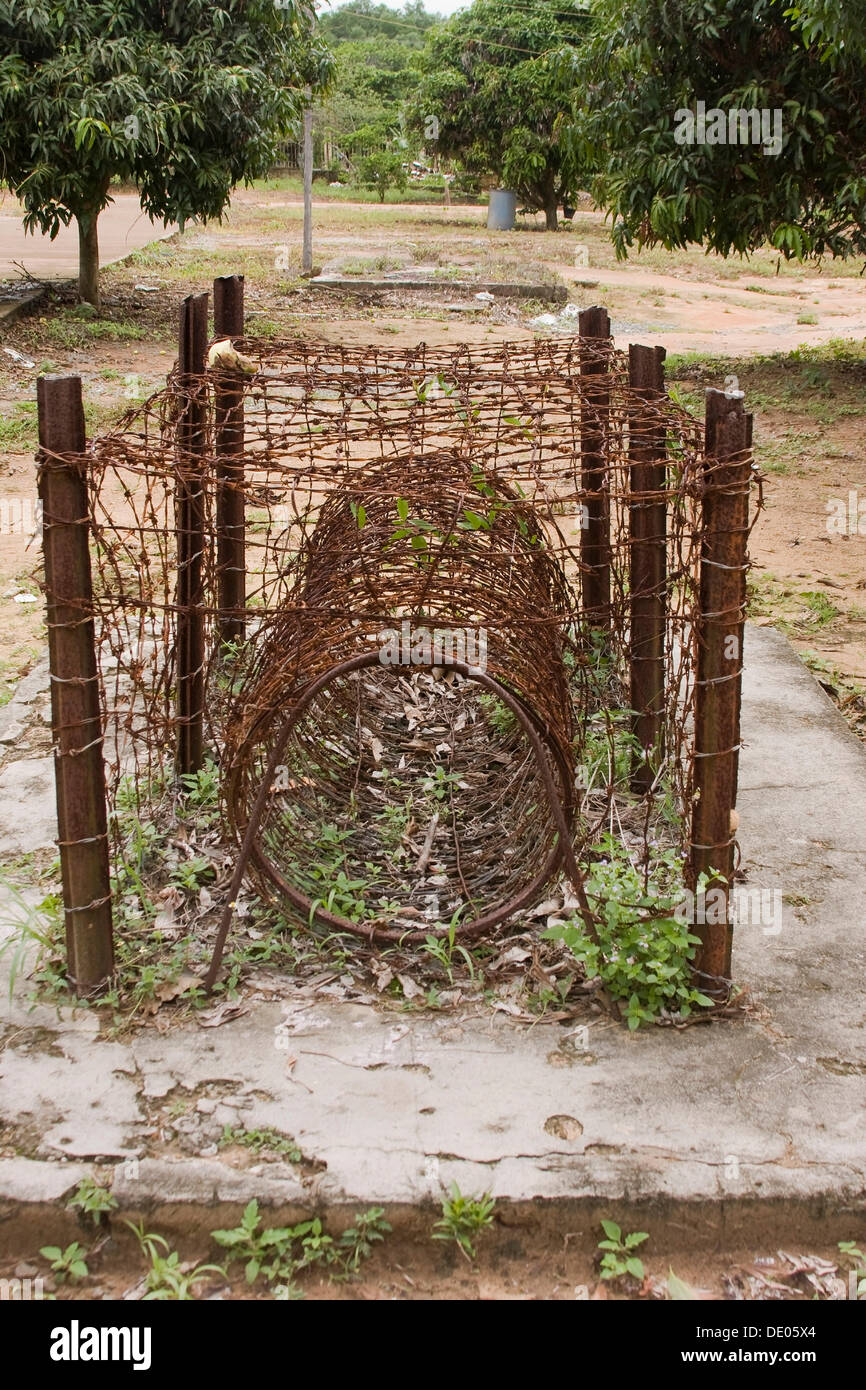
<point x="307" y="267"/>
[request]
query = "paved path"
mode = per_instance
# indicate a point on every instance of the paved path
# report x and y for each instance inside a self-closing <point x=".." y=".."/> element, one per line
<point x="722" y="1120"/>
<point x="123" y="227"/>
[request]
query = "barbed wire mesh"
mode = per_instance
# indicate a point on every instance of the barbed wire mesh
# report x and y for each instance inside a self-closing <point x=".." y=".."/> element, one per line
<point x="417" y="702"/>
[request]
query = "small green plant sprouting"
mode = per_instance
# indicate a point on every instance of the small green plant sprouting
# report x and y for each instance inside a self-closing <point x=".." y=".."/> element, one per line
<point x="644" y="949"/>
<point x="463" y="1219"/>
<point x="92" y="1200"/>
<point x="821" y="610"/>
<point x="262" y="1251"/>
<point x="261" y="1141"/>
<point x="201" y="798"/>
<point x="66" y="1264"/>
<point x="357" y="1241"/>
<point x="444" y="948"/>
<point x="857" y="1260"/>
<point x="501" y="719"/>
<point x="279" y="1254"/>
<point x="416" y="530"/>
<point x="167" y="1279"/>
<point x="440" y="783"/>
<point x="618" y="1258"/>
<point x="191" y="874"/>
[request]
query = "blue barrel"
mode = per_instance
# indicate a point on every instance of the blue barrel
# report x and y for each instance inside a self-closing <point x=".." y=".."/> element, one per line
<point x="502" y="210"/>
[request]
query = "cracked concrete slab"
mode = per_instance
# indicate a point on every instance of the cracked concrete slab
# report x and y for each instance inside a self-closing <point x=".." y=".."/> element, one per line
<point x="386" y="1109"/>
<point x="28" y="814"/>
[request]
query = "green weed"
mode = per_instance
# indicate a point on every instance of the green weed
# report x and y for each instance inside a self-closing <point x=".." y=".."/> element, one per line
<point x="463" y="1219"/>
<point x="618" y="1258"/>
<point x="92" y="1200"/>
<point x="67" y="1265"/>
<point x="644" y="949"/>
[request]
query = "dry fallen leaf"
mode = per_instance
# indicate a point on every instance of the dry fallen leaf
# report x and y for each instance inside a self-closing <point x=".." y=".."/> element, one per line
<point x="411" y="990"/>
<point x="503" y="1006"/>
<point x="679" y="1290"/>
<point x="226" y="1013"/>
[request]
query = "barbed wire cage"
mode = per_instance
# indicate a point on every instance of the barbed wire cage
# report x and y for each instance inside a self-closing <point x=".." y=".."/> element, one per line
<point x="442" y="619"/>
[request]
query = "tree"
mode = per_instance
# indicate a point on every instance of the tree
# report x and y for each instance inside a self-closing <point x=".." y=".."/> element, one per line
<point x="833" y="25"/>
<point x="681" y="105"/>
<point x="372" y="81"/>
<point x="361" y="19"/>
<point x="185" y="98"/>
<point x="493" y="100"/>
<point x="382" y="170"/>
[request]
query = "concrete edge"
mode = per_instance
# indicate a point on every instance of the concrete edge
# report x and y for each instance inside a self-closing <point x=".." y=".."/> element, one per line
<point x="11" y="311"/>
<point x="186" y="1200"/>
<point x="503" y="290"/>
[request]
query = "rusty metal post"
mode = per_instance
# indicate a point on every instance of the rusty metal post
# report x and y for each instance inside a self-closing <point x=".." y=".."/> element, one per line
<point x="76" y="724"/>
<point x="189" y="526"/>
<point x="228" y="322"/>
<point x="595" y="553"/>
<point x="719" y="677"/>
<point x="647" y="561"/>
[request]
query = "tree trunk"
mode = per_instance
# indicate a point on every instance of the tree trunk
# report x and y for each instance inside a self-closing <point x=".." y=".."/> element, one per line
<point x="550" y="199"/>
<point x="307" y="261"/>
<point x="88" y="258"/>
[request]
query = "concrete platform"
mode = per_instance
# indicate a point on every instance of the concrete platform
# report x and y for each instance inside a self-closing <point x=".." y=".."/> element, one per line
<point x="557" y="294"/>
<point x="123" y="228"/>
<point x="716" y="1123"/>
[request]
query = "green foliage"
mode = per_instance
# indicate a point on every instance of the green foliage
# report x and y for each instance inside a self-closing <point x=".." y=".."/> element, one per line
<point x="279" y="1254"/>
<point x="644" y="947"/>
<point x="92" y="1200"/>
<point x="202" y="792"/>
<point x="36" y="929"/>
<point x="67" y="330"/>
<point x="835" y="27"/>
<point x="444" y="948"/>
<point x="191" y="874"/>
<point x="821" y="610"/>
<point x="183" y="98"/>
<point x="618" y="1258"/>
<point x="441" y="783"/>
<point x="854" y="1255"/>
<point x="652" y="59"/>
<point x="68" y="1264"/>
<point x="357" y="1241"/>
<point x="166" y="1279"/>
<point x="261" y="1141"/>
<point x="382" y="170"/>
<point x="497" y="98"/>
<point x="463" y="1219"/>
<point x="501" y="719"/>
<point x="375" y="51"/>
<point x="364" y="21"/>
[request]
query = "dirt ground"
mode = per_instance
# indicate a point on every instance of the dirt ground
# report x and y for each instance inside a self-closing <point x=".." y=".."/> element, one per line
<point x="808" y="419"/>
<point x="514" y="1260"/>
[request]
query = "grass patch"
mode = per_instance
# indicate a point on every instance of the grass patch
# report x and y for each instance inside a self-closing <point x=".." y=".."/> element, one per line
<point x="262" y="1142"/>
<point x="20" y="432"/>
<point x="69" y="329"/>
